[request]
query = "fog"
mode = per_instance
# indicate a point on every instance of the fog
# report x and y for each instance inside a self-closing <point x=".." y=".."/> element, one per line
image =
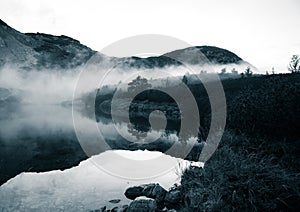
<point x="55" y="86"/>
<point x="40" y="87"/>
<point x="37" y="134"/>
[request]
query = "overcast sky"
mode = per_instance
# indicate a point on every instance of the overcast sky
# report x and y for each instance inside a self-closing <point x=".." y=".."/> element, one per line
<point x="265" y="33"/>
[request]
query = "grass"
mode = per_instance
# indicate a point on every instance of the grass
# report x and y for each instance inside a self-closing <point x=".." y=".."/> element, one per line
<point x="256" y="167"/>
<point x="242" y="176"/>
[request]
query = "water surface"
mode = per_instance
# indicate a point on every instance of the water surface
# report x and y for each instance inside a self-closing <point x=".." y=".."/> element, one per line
<point x="43" y="166"/>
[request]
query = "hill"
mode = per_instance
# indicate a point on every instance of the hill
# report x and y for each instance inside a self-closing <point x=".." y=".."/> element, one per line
<point x="38" y="50"/>
<point x="43" y="51"/>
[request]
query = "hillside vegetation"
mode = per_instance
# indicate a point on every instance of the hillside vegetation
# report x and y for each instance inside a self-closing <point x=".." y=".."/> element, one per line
<point x="256" y="166"/>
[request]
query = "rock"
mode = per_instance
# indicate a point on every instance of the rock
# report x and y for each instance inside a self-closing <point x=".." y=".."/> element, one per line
<point x="173" y="199"/>
<point x="115" y="209"/>
<point x="173" y="196"/>
<point x="154" y="191"/>
<point x="134" y="192"/>
<point x="114" y="201"/>
<point x="142" y="204"/>
<point x="103" y="209"/>
<point x="124" y="208"/>
<point x="165" y="209"/>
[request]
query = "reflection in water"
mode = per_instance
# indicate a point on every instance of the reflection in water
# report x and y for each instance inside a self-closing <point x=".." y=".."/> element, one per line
<point x="39" y="138"/>
<point x="81" y="188"/>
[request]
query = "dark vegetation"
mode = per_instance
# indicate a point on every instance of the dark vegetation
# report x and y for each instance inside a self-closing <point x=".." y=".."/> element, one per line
<point x="244" y="174"/>
<point x="256" y="166"/>
<point x="294" y="65"/>
<point x="261" y="106"/>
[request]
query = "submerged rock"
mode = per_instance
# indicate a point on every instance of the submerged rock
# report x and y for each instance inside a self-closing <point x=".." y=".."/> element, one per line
<point x="142" y="204"/>
<point x="115" y="209"/>
<point x="122" y="208"/>
<point x="115" y="201"/>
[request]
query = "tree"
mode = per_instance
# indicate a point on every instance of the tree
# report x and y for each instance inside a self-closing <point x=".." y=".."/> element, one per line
<point x="138" y="84"/>
<point x="294" y="65"/>
<point x="248" y="72"/>
<point x="234" y="71"/>
<point x="185" y="80"/>
<point x="223" y="71"/>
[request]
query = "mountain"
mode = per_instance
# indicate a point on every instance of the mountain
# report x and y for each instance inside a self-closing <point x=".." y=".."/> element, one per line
<point x="38" y="51"/>
<point x="196" y="55"/>
<point x="200" y="55"/>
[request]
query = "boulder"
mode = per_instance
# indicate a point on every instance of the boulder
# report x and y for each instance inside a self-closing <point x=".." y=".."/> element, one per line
<point x="134" y="192"/>
<point x="173" y="199"/>
<point x="142" y="204"/>
<point x="173" y="196"/>
<point x="154" y="191"/>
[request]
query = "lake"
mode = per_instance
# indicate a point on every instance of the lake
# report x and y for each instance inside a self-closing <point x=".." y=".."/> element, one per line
<point x="44" y="167"/>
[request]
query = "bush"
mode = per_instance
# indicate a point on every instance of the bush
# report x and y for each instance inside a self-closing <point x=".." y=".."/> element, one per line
<point x="273" y="110"/>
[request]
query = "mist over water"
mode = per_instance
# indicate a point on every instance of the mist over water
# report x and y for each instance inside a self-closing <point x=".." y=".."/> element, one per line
<point x="41" y="132"/>
<point x="38" y="95"/>
<point x="37" y="135"/>
<point x="40" y="87"/>
<point x="36" y="114"/>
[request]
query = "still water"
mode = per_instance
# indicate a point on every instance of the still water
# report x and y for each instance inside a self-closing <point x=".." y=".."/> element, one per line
<point x="43" y="167"/>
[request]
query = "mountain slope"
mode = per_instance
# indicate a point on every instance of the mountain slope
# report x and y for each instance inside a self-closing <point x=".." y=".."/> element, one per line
<point x="198" y="55"/>
<point x="39" y="50"/>
<point x="203" y="54"/>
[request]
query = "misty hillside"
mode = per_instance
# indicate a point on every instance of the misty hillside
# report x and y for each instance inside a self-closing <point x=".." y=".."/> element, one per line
<point x="40" y="51"/>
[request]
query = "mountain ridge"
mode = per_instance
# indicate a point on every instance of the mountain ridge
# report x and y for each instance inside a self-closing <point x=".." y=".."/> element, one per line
<point x="46" y="51"/>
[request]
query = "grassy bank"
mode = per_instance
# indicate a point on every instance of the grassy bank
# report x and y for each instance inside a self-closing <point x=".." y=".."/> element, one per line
<point x="244" y="176"/>
<point x="256" y="167"/>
